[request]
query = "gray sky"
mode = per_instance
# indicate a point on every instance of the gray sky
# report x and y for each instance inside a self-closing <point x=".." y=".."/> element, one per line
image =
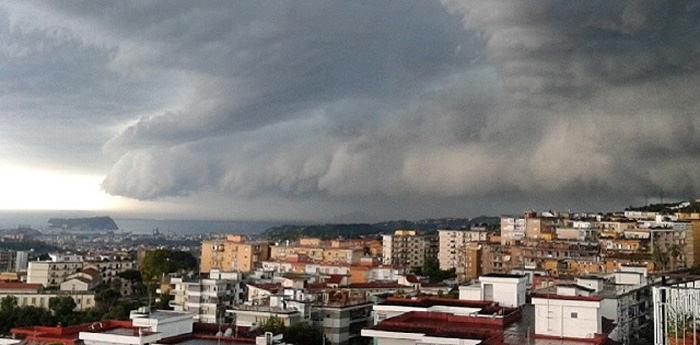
<point x="372" y="109"/>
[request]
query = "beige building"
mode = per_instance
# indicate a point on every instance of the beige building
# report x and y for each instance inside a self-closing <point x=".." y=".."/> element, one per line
<point x="319" y="251"/>
<point x="83" y="300"/>
<point x="452" y="244"/>
<point x="692" y="239"/>
<point x="512" y="229"/>
<point x="233" y="254"/>
<point x="53" y="273"/>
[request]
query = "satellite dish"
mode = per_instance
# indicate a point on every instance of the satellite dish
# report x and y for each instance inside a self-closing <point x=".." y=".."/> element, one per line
<point x="228" y="332"/>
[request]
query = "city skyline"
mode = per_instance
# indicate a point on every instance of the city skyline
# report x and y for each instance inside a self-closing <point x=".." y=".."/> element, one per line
<point x="364" y="111"/>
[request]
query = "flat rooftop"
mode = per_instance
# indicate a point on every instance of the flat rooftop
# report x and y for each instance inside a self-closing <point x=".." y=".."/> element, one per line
<point x="503" y="275"/>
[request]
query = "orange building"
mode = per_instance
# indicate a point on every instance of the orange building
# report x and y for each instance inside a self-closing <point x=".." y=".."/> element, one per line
<point x="232" y="254"/>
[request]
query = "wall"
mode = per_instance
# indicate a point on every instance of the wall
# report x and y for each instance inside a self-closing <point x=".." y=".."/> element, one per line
<point x="553" y="317"/>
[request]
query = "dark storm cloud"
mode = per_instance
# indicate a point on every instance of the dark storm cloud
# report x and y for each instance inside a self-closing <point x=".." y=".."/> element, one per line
<point x="361" y="104"/>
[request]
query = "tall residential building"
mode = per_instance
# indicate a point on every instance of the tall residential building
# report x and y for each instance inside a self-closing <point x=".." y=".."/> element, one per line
<point x="13" y="261"/>
<point x="387" y="249"/>
<point x="208" y="298"/>
<point x="512" y="229"/>
<point x="451" y="242"/>
<point x="410" y="250"/>
<point x="469" y="264"/>
<point x="692" y="238"/>
<point x="232" y="254"/>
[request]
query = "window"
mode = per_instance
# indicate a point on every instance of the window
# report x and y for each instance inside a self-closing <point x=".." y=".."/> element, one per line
<point x="574" y="315"/>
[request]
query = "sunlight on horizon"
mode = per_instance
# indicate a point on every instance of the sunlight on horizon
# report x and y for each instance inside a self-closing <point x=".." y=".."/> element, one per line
<point x="37" y="189"/>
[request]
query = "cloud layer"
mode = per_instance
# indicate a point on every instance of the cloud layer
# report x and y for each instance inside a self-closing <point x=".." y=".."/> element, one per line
<point x="409" y="105"/>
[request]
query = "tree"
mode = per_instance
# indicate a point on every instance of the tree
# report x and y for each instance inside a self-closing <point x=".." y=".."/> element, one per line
<point x="160" y="262"/>
<point x="273" y="324"/>
<point x="431" y="269"/>
<point x="106" y="297"/>
<point x="8" y="304"/>
<point x="63" y="305"/>
<point x="131" y="275"/>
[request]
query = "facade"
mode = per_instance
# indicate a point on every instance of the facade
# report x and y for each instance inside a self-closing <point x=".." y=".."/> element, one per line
<point x="83" y="300"/>
<point x="320" y="253"/>
<point x="410" y="250"/>
<point x="13" y="261"/>
<point x="563" y="317"/>
<point x="207" y="299"/>
<point x="512" y="229"/>
<point x="692" y="243"/>
<point x="232" y="254"/>
<point x="508" y="290"/>
<point x="344" y="321"/>
<point x="451" y="242"/>
<point x="53" y="273"/>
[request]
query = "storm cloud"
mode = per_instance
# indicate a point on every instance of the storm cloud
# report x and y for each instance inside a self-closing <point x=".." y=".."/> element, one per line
<point x="407" y="105"/>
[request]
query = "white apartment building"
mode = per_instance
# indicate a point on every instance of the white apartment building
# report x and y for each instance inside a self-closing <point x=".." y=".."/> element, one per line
<point x="208" y="298"/>
<point x="387" y="246"/>
<point x="512" y="229"/>
<point x="53" y="273"/>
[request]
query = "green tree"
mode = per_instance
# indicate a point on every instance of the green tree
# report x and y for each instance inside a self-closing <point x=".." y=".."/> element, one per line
<point x="8" y="304"/>
<point x="431" y="269"/>
<point x="160" y="262"/>
<point x="62" y="305"/>
<point x="273" y="324"/>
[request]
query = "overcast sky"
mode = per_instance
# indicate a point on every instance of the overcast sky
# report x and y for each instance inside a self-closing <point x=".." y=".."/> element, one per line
<point x="323" y="110"/>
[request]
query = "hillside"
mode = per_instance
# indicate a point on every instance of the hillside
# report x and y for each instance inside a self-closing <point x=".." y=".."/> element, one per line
<point x="358" y="230"/>
<point x="83" y="224"/>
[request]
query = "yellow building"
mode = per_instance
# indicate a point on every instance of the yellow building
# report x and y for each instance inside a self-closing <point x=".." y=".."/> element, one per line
<point x="232" y="254"/>
<point x="318" y="252"/>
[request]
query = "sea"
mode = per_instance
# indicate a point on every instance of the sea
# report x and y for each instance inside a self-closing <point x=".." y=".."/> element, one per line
<point x="139" y="225"/>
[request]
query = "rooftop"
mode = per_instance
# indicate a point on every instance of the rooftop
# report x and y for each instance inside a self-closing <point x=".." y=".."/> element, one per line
<point x="504" y="275"/>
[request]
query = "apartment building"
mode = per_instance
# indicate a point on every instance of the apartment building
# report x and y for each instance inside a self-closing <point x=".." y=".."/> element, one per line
<point x="409" y="249"/>
<point x="343" y="320"/>
<point x="53" y="273"/>
<point x="232" y="254"/>
<point x="692" y="241"/>
<point x="33" y="295"/>
<point x="512" y="229"/>
<point x="208" y="298"/>
<point x="469" y="262"/>
<point x="13" y="261"/>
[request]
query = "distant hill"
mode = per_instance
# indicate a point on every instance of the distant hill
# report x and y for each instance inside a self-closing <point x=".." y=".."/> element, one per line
<point x="358" y="230"/>
<point x="83" y="224"/>
<point x="669" y="208"/>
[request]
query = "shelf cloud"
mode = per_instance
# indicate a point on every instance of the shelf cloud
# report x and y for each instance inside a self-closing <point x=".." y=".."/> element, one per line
<point x="479" y="104"/>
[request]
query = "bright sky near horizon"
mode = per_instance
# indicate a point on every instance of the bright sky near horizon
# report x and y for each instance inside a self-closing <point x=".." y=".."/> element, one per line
<point x="37" y="189"/>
